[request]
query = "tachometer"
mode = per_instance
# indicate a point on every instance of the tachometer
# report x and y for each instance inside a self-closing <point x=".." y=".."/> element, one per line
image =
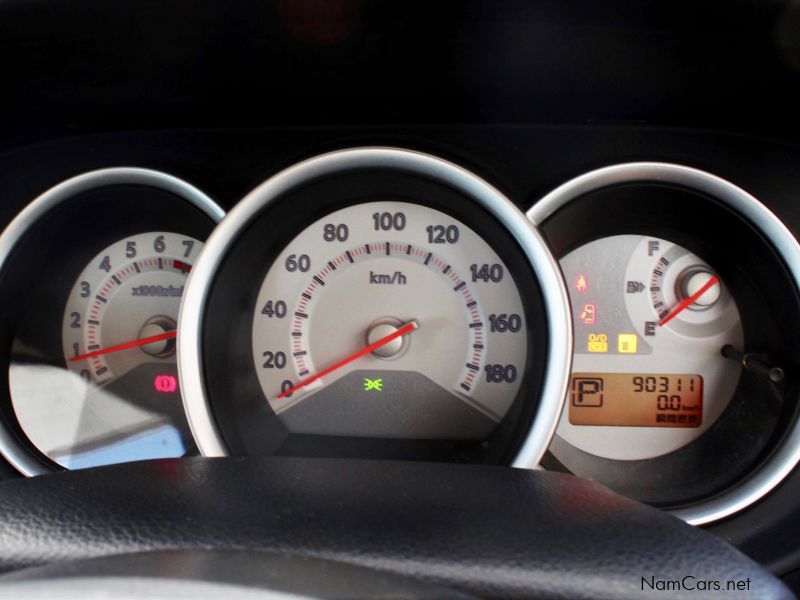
<point x="118" y="336"/>
<point x="95" y="271"/>
<point x="126" y="298"/>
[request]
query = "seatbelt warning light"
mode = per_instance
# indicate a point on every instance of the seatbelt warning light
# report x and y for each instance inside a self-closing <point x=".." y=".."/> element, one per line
<point x="582" y="284"/>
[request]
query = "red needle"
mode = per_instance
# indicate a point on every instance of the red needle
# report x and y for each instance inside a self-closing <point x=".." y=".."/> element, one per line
<point x="688" y="301"/>
<point x="407" y="328"/>
<point x="168" y="335"/>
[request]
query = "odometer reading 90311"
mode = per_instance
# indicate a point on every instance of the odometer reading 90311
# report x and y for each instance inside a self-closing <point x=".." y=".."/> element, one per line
<point x="636" y="400"/>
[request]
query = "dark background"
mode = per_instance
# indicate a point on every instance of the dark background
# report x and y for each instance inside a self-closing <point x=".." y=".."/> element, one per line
<point x="88" y="65"/>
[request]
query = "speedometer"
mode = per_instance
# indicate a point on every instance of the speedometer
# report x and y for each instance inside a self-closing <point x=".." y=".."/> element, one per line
<point x="405" y="323"/>
<point x="375" y="303"/>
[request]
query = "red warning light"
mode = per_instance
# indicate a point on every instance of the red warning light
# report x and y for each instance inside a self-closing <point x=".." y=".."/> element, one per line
<point x="166" y="384"/>
<point x="588" y="314"/>
<point x="582" y="284"/>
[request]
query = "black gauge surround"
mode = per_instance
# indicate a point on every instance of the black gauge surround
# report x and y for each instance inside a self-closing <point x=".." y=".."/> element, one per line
<point x="46" y="248"/>
<point x="754" y="443"/>
<point x="227" y="407"/>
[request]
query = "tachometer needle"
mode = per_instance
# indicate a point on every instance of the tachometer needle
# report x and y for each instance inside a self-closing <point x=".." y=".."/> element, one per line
<point x="689" y="301"/>
<point x="168" y="335"/>
<point x="405" y="329"/>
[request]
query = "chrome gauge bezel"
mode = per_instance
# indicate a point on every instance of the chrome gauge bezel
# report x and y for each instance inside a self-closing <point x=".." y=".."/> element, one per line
<point x="786" y="455"/>
<point x="56" y="198"/>
<point x="199" y="406"/>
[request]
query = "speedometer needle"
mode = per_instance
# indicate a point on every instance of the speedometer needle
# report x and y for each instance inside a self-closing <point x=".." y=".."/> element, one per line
<point x="689" y="301"/>
<point x="168" y="335"/>
<point x="405" y="329"/>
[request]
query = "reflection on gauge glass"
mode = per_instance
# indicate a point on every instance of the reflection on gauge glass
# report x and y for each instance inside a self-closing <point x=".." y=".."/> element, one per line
<point x="650" y="319"/>
<point x="389" y="320"/>
<point x="118" y="398"/>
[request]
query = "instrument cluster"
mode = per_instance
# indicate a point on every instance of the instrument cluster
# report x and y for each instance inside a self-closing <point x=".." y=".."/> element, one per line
<point x="635" y="327"/>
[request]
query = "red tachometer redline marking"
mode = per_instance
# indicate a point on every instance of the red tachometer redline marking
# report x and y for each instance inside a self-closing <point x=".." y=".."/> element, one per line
<point x="688" y="301"/>
<point x="405" y="329"/>
<point x="135" y="343"/>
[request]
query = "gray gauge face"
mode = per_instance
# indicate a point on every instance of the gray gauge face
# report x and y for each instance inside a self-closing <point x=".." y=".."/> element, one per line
<point x="650" y="319"/>
<point x="392" y="320"/>
<point x="118" y="398"/>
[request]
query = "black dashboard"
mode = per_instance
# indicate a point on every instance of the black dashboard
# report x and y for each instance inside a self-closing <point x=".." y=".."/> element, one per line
<point x="608" y="193"/>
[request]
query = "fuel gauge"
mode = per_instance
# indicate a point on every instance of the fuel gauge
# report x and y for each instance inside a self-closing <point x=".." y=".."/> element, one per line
<point x="685" y="308"/>
<point x="648" y="371"/>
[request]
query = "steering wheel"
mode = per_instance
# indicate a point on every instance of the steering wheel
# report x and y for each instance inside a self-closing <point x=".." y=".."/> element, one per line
<point x="297" y="527"/>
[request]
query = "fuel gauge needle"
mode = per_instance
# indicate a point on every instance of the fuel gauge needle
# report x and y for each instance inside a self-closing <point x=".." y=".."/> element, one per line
<point x="405" y="329"/>
<point x="689" y="301"/>
<point x="167" y="335"/>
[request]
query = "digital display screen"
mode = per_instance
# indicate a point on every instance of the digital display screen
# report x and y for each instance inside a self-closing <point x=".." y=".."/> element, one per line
<point x="636" y="400"/>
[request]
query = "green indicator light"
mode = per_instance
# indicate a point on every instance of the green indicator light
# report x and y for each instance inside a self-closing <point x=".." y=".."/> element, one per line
<point x="373" y="384"/>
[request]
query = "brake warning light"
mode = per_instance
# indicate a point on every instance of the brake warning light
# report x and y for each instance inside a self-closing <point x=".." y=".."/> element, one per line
<point x="166" y="384"/>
